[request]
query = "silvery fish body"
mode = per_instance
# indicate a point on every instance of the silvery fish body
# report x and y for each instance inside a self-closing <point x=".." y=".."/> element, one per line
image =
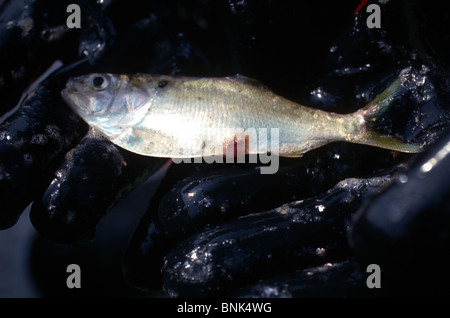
<point x="182" y="117"/>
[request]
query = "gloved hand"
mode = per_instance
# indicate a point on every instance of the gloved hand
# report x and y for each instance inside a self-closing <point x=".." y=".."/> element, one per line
<point x="214" y="230"/>
<point x="36" y="136"/>
<point x="202" y="237"/>
<point x="73" y="179"/>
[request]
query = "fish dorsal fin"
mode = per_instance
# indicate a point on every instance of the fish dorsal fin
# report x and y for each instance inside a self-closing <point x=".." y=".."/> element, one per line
<point x="247" y="81"/>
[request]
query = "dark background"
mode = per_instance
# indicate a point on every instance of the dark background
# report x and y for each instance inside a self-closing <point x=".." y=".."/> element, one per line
<point x="293" y="47"/>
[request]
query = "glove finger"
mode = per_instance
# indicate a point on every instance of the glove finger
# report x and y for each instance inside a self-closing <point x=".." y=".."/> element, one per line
<point x="31" y="140"/>
<point x="93" y="177"/>
<point x="206" y="197"/>
<point x="330" y="280"/>
<point x="405" y="228"/>
<point x="182" y="206"/>
<point x="295" y="235"/>
<point x="144" y="254"/>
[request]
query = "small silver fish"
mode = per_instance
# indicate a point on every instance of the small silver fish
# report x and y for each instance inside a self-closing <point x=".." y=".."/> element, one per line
<point x="186" y="117"/>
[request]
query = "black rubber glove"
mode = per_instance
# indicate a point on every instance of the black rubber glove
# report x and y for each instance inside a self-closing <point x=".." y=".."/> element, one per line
<point x="36" y="135"/>
<point x="32" y="139"/>
<point x="85" y="182"/>
<point x="74" y="180"/>
<point x="33" y="34"/>
<point x="229" y="253"/>
<point x="218" y="232"/>
<point x="405" y="229"/>
<point x="211" y="241"/>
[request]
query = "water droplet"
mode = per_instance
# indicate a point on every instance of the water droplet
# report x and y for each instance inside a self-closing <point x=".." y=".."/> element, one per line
<point x="427" y="166"/>
<point x="320" y="207"/>
<point x="28" y="159"/>
<point x="419" y="79"/>
<point x="403" y="178"/>
<point x="320" y="251"/>
<point x="10" y="24"/>
<point x="207" y="202"/>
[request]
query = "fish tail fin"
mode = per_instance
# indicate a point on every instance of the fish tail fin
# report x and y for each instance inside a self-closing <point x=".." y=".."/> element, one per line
<point x="371" y="113"/>
<point x="372" y="138"/>
<point x="382" y="102"/>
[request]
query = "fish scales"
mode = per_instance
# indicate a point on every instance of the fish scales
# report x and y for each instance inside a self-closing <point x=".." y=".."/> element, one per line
<point x="179" y="117"/>
<point x="211" y="106"/>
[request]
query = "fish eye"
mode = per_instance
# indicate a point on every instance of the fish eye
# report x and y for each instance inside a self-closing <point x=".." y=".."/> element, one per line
<point x="100" y="82"/>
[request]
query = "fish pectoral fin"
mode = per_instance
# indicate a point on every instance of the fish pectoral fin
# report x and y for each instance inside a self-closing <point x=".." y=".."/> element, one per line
<point x="153" y="143"/>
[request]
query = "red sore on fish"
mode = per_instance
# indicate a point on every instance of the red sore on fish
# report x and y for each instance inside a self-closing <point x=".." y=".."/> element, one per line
<point x="237" y="146"/>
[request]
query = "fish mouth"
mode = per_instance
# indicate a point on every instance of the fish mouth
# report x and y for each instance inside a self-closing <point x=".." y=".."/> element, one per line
<point x="73" y="95"/>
